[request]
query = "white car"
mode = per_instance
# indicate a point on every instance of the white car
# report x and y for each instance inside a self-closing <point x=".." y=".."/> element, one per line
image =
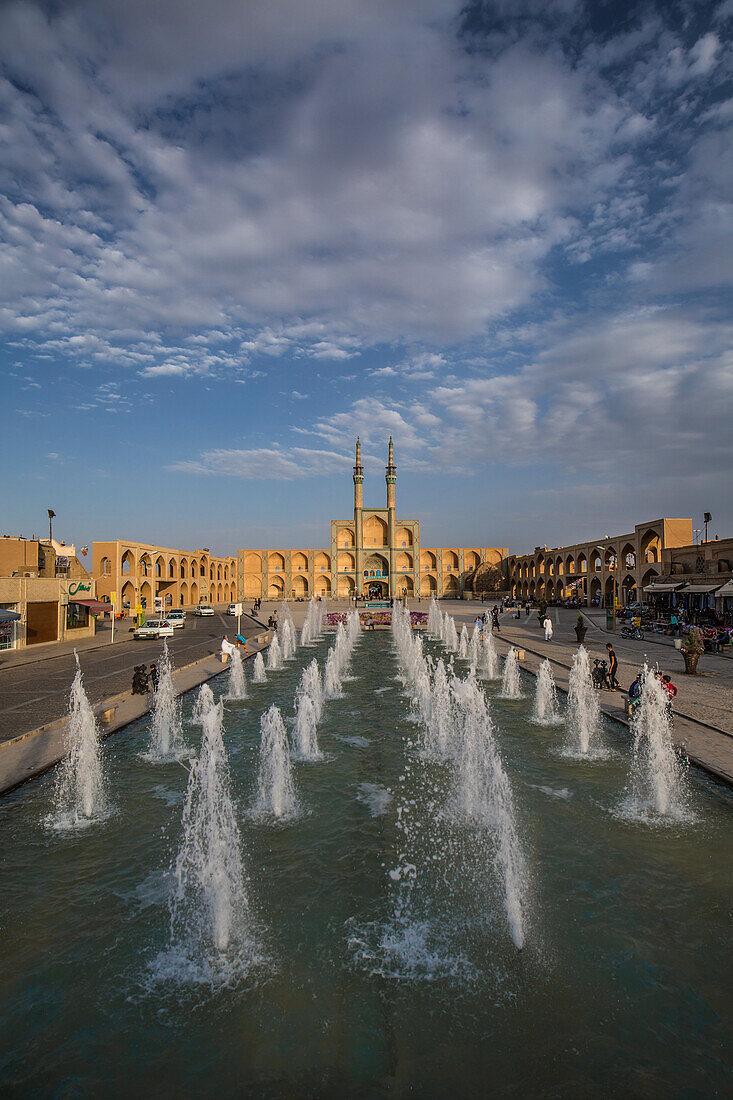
<point x="177" y="618"/>
<point x="232" y="609"/>
<point x="154" y="628"/>
<point x="204" y="609"/>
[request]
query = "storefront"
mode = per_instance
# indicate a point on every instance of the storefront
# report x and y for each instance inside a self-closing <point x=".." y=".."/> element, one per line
<point x="699" y="600"/>
<point x="8" y="628"/>
<point x="43" y="610"/>
<point x="724" y="603"/>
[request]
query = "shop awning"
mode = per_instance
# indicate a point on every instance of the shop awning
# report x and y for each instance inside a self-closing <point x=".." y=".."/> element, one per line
<point x="9" y="616"/>
<point x="658" y="588"/>
<point x="93" y="605"/>
<point x="698" y="589"/>
<point x="726" y="590"/>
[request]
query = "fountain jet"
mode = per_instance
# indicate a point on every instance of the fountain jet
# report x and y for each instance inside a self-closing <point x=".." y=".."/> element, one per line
<point x="546" y="711"/>
<point x="258" y="670"/>
<point x="81" y="788"/>
<point x="584" y="708"/>
<point x="166" y="738"/>
<point x="275" y="786"/>
<point x="511" y="684"/>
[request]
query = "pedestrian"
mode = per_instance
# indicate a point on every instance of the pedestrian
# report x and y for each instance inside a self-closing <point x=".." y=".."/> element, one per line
<point x="547" y="624"/>
<point x="613" y="683"/>
<point x="226" y="649"/>
<point x="669" y="687"/>
<point x="495" y="626"/>
<point x="140" y="684"/>
<point x="154" y="676"/>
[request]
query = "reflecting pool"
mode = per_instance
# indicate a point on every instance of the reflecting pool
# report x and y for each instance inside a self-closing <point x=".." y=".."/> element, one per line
<point x="376" y="956"/>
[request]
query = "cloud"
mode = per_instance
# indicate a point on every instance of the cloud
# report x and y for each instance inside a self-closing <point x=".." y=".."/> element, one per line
<point x="390" y="184"/>
<point x="265" y="463"/>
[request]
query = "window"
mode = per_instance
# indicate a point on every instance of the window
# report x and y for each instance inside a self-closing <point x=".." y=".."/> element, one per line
<point x="404" y="544"/>
<point x="323" y="569"/>
<point x="277" y="568"/>
<point x="76" y="616"/>
<point x="7" y="629"/>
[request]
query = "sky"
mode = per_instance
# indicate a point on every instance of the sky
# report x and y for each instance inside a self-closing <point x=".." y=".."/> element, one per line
<point x="236" y="235"/>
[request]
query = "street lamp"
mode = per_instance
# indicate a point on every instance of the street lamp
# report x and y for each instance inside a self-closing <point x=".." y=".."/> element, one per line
<point x="706" y="520"/>
<point x="51" y="517"/>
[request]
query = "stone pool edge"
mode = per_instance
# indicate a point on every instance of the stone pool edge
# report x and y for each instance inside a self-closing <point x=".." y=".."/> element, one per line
<point x="32" y="753"/>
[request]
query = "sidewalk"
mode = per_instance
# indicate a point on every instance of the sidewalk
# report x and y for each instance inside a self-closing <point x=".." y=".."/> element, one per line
<point x="598" y="619"/>
<point x="704" y="743"/>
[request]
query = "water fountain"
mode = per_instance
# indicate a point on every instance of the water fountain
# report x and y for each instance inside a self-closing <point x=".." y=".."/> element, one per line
<point x="237" y="682"/>
<point x="483" y="796"/>
<point x="440" y="727"/>
<point x="209" y="902"/>
<point x="546" y="711"/>
<point x="305" y="740"/>
<point x="258" y="669"/>
<point x="399" y="919"/>
<point x="166" y="733"/>
<point x="274" y="655"/>
<point x="463" y="642"/>
<point x="656" y="786"/>
<point x="204" y="702"/>
<point x="80" y="795"/>
<point x="584" y="708"/>
<point x="489" y="660"/>
<point x="450" y="634"/>
<point x="286" y="632"/>
<point x="312" y="624"/>
<point x="511" y="687"/>
<point x="331" y="678"/>
<point x="474" y="647"/>
<point x="435" y="620"/>
<point x="275" y="786"/>
<point x="311" y="684"/>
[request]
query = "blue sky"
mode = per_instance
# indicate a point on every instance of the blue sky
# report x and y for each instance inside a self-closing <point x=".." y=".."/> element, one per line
<point x="235" y="235"/>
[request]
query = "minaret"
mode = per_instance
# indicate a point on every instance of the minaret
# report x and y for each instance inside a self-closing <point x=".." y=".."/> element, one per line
<point x="358" y="517"/>
<point x="391" y="515"/>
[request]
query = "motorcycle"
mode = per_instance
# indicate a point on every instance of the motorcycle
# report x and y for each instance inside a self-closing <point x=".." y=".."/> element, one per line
<point x="632" y="632"/>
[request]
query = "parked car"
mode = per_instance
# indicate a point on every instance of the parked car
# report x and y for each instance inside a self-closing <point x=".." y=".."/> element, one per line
<point x="154" y="628"/>
<point x="177" y="618"/>
<point x="204" y="609"/>
<point x="232" y="609"/>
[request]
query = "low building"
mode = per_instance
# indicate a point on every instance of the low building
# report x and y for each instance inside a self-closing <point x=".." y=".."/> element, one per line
<point x="375" y="555"/>
<point x="599" y="571"/>
<point x="21" y="557"/>
<point x="38" y="610"/>
<point x="46" y="594"/>
<point x="697" y="578"/>
<point x="139" y="573"/>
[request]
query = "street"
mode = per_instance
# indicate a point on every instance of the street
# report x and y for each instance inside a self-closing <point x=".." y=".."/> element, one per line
<point x="37" y="692"/>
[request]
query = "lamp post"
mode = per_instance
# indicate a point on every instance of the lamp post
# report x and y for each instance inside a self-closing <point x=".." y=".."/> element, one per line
<point x="51" y="517"/>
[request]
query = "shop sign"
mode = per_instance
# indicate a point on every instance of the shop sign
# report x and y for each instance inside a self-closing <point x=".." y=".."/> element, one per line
<point x="78" y="586"/>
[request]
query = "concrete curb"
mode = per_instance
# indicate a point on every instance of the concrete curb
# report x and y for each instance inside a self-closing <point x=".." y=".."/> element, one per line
<point x="32" y="753"/>
<point x="705" y="765"/>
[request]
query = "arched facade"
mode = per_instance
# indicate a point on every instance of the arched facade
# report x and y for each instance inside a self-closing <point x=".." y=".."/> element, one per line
<point x="608" y="570"/>
<point x="137" y="572"/>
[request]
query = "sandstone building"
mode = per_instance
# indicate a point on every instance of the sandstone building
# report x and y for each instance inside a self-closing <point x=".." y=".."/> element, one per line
<point x="622" y="567"/>
<point x="376" y="554"/>
<point x="139" y="572"/>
